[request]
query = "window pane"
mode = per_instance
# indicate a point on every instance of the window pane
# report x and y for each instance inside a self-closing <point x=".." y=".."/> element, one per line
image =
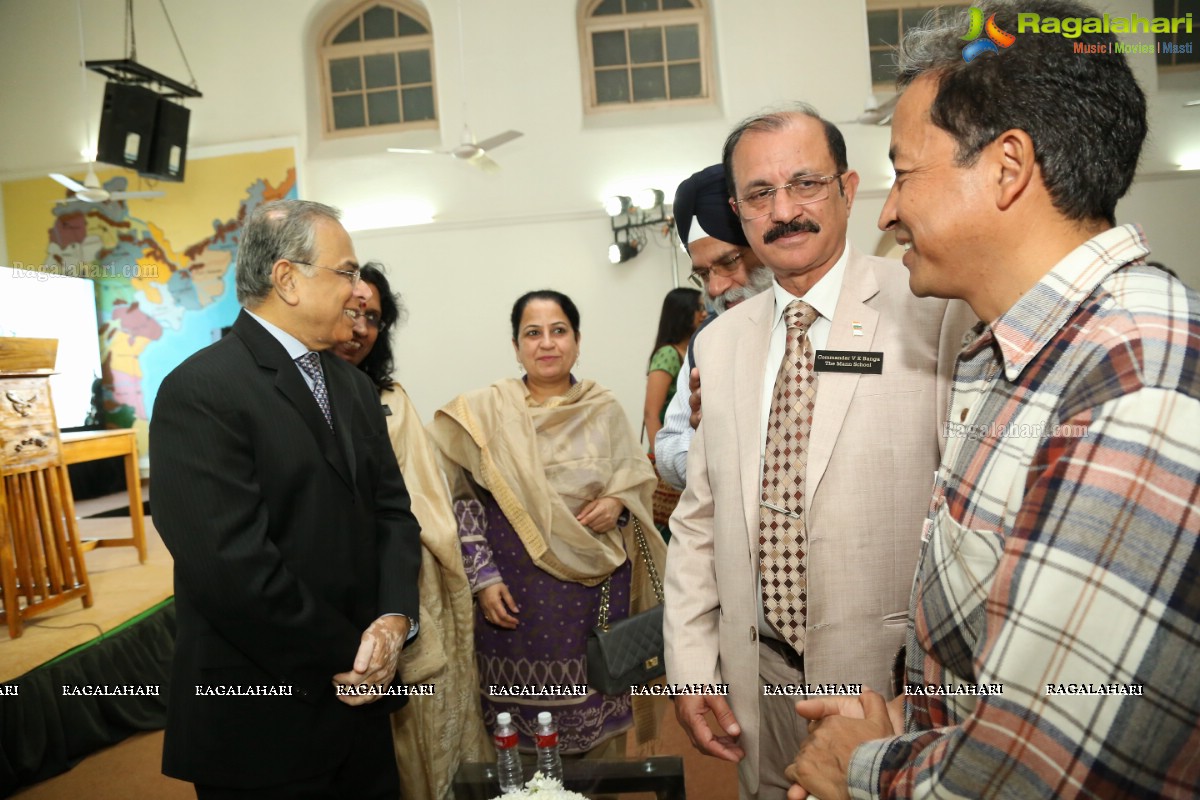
<point x="379" y="23"/>
<point x="414" y="67"/>
<point x="883" y="66"/>
<point x="649" y="83"/>
<point x="646" y="46"/>
<point x="669" y="4"/>
<point x="638" y="6"/>
<point x="1187" y="58"/>
<point x="380" y="70"/>
<point x="383" y="108"/>
<point x="685" y="80"/>
<point x="608" y="49"/>
<point x="881" y="27"/>
<point x="683" y="42"/>
<point x="344" y="75"/>
<point x="348" y="112"/>
<point x="612" y="86"/>
<point x="913" y="16"/>
<point x="418" y="103"/>
<point x="409" y="26"/>
<point x="348" y="33"/>
<point x="607" y="7"/>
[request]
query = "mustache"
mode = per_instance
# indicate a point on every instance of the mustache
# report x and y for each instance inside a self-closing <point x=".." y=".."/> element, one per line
<point x="794" y="226"/>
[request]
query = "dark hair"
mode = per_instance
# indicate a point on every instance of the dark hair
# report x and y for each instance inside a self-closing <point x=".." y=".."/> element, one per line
<point x="564" y="302"/>
<point x="1085" y="113"/>
<point x="379" y="363"/>
<point x="275" y="230"/>
<point x="678" y="318"/>
<point x="778" y="120"/>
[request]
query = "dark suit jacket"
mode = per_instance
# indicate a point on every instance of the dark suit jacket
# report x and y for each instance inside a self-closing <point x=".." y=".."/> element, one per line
<point x="288" y="540"/>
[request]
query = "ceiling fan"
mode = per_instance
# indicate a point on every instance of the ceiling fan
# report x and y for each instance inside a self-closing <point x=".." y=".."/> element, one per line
<point x="473" y="152"/>
<point x="90" y="191"/>
<point x="876" y="113"/>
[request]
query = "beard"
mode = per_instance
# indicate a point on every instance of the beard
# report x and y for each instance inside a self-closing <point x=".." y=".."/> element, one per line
<point x="758" y="281"/>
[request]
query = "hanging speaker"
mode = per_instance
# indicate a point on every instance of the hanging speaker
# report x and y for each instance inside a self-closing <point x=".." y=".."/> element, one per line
<point x="127" y="125"/>
<point x="168" y="150"/>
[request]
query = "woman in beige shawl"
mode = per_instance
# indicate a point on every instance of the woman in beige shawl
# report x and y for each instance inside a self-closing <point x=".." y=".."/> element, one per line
<point x="547" y="480"/>
<point x="433" y="733"/>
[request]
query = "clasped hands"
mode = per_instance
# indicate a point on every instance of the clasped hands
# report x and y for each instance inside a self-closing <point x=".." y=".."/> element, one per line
<point x="377" y="659"/>
<point x="837" y="725"/>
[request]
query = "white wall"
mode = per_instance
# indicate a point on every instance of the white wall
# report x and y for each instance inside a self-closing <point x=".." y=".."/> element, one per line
<point x="254" y="61"/>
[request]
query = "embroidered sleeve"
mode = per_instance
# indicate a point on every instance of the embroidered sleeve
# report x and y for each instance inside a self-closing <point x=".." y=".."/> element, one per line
<point x="477" y="553"/>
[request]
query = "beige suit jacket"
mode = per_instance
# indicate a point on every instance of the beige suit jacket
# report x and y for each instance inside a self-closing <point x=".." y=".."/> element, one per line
<point x="875" y="445"/>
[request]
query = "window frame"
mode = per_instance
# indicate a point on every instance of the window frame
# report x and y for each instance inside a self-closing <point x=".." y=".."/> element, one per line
<point x="899" y="7"/>
<point x="1174" y="68"/>
<point x="328" y="51"/>
<point x="588" y="25"/>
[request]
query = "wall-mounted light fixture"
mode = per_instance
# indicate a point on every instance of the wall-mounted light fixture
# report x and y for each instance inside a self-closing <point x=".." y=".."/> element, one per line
<point x="630" y="216"/>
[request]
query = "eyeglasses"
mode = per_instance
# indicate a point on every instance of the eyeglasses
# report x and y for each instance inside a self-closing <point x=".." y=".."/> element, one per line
<point x="371" y="317"/>
<point x="726" y="267"/>
<point x="801" y="191"/>
<point x="354" y="275"/>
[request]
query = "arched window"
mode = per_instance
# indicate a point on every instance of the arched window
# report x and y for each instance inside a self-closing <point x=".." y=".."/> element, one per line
<point x="377" y="70"/>
<point x="638" y="52"/>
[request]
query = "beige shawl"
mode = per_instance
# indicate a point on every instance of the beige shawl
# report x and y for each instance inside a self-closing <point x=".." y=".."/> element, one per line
<point x="543" y="463"/>
<point x="434" y="734"/>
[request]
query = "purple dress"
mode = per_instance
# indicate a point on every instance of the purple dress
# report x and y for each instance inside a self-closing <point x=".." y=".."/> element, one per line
<point x="548" y="648"/>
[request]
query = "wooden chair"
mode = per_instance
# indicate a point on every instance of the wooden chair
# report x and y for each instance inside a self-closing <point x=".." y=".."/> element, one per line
<point x="41" y="562"/>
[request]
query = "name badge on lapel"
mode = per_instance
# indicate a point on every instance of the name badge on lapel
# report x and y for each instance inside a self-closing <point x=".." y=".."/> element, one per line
<point x="862" y="362"/>
<point x="387" y="412"/>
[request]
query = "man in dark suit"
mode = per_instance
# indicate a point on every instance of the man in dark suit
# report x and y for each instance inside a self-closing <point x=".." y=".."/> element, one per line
<point x="296" y="556"/>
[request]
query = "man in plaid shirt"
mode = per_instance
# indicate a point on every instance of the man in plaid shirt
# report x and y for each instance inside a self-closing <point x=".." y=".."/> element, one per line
<point x="1054" y="628"/>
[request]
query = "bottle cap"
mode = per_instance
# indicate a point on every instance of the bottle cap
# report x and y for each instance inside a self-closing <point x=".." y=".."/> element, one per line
<point x="543" y="718"/>
<point x="504" y="718"/>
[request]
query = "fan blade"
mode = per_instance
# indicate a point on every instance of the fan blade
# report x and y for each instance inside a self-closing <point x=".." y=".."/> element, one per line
<point x="70" y="183"/>
<point x="133" y="195"/>
<point x="484" y="163"/>
<point x="499" y="139"/>
<point x="410" y="150"/>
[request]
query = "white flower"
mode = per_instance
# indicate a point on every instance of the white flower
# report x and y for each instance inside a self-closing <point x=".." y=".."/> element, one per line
<point x="541" y="788"/>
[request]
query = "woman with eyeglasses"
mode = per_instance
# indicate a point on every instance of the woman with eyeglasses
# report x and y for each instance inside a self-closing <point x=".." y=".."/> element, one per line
<point x="432" y="734"/>
<point x="550" y="488"/>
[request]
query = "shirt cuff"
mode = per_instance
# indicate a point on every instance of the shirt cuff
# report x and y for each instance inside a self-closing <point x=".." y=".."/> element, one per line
<point x="413" y="625"/>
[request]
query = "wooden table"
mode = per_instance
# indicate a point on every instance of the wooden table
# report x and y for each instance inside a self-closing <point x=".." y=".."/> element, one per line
<point x="93" y="445"/>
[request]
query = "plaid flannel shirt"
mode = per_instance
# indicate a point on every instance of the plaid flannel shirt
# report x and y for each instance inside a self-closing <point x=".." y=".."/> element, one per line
<point x="1054" y="639"/>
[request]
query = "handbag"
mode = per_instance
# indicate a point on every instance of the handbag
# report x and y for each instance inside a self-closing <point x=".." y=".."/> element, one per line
<point x="628" y="652"/>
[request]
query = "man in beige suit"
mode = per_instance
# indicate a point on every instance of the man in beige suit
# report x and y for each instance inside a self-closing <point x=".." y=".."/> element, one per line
<point x="867" y="463"/>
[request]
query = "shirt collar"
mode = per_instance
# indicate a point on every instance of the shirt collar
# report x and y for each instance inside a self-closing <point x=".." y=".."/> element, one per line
<point x="823" y="296"/>
<point x="1024" y="329"/>
<point x="295" y="348"/>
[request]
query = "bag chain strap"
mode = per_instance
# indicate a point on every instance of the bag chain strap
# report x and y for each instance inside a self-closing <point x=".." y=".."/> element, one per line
<point x="655" y="581"/>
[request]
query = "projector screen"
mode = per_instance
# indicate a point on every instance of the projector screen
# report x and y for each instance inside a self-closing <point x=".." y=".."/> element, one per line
<point x="45" y="306"/>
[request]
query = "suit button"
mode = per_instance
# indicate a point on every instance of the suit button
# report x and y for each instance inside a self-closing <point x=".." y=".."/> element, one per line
<point x="963" y="416"/>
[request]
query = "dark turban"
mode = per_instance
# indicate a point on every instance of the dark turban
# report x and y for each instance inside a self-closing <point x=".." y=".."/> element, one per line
<point x="705" y="197"/>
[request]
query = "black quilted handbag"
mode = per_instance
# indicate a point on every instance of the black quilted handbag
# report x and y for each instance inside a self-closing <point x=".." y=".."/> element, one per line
<point x="628" y="652"/>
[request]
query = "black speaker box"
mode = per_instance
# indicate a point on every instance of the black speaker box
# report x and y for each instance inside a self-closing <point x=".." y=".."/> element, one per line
<point x="168" y="150"/>
<point x="127" y="125"/>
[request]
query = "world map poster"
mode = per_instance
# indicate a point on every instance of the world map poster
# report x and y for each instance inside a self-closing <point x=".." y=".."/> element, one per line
<point x="163" y="267"/>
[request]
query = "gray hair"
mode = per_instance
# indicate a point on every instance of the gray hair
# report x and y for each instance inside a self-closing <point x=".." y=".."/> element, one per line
<point x="1086" y="114"/>
<point x="779" y="120"/>
<point x="279" y="229"/>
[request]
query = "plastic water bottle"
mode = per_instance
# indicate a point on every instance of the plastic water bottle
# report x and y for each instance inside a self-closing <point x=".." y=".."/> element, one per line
<point x="549" y="762"/>
<point x="508" y="760"/>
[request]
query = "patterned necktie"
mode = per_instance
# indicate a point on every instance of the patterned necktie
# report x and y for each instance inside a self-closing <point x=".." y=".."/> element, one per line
<point x="782" y="531"/>
<point x="311" y="364"/>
